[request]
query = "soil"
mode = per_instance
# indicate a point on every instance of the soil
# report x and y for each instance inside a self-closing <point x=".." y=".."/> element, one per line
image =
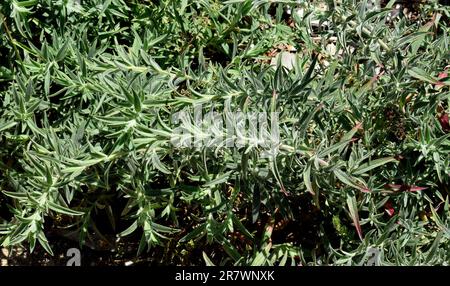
<point x="123" y="255"/>
<point x="302" y="229"/>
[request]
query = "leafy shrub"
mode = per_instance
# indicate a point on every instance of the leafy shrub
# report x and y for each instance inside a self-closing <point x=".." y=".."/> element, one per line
<point x="89" y="91"/>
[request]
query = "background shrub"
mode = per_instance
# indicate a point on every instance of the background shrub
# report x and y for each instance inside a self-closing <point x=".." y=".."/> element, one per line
<point x="88" y="94"/>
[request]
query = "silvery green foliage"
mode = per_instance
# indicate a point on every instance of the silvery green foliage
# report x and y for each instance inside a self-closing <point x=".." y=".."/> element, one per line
<point x="94" y="94"/>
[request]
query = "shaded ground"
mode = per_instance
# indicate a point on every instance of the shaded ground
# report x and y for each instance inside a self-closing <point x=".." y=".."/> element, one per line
<point x="123" y="255"/>
<point x="303" y="230"/>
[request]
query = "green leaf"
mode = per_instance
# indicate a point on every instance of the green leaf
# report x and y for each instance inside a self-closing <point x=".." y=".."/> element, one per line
<point x="158" y="165"/>
<point x="130" y="229"/>
<point x="207" y="260"/>
<point x="260" y="259"/>
<point x="63" y="210"/>
<point x="16" y="195"/>
<point x="414" y="38"/>
<point x="44" y="243"/>
<point x="241" y="227"/>
<point x="307" y="179"/>
<point x="442" y="226"/>
<point x="231" y="250"/>
<point x="332" y="148"/>
<point x="422" y="75"/>
<point x="7" y="125"/>
<point x="353" y="209"/>
<point x="198" y="232"/>
<point x="364" y="168"/>
<point x="219" y="180"/>
<point x="162" y="228"/>
<point x="349" y="180"/>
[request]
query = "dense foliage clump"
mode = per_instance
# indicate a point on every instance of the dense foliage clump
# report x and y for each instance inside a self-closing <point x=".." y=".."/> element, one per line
<point x="90" y="92"/>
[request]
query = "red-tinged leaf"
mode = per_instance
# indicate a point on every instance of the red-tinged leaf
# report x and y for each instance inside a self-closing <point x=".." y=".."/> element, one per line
<point x="444" y="121"/>
<point x="358" y="126"/>
<point x="389" y="208"/>
<point x="416" y="188"/>
<point x="438" y="206"/>
<point x="283" y="190"/>
<point x="390" y="211"/>
<point x="442" y="75"/>
<point x="399" y="157"/>
<point x="353" y="209"/>
<point x="404" y="188"/>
